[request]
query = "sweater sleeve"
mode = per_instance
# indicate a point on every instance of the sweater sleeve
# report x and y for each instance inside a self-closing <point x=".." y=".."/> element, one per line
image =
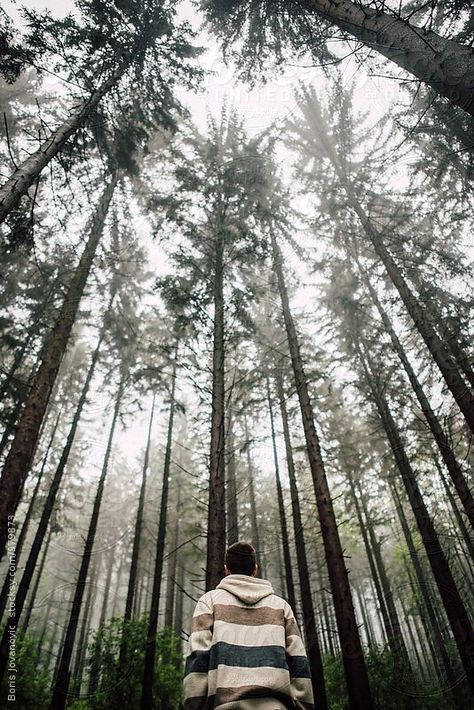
<point x="300" y="676"/>
<point x="197" y="661"/>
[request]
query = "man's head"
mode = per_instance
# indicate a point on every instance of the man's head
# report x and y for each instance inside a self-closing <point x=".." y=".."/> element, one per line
<point x="240" y="559"/>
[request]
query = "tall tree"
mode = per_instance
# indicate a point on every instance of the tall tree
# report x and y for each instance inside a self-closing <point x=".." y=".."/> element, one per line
<point x="309" y="617"/>
<point x="150" y="649"/>
<point x="132" y="580"/>
<point x="290" y="588"/>
<point x="131" y="52"/>
<point x="18" y="461"/>
<point x="61" y="685"/>
<point x="260" y="28"/>
<point x="313" y="138"/>
<point x="216" y="188"/>
<point x="352" y="655"/>
<point x="439" y="435"/>
<point x="449" y="593"/>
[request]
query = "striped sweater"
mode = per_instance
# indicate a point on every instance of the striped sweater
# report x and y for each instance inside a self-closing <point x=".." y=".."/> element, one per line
<point x="245" y="651"/>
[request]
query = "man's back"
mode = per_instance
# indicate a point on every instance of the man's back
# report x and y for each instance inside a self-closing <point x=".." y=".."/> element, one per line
<point x="245" y="651"/>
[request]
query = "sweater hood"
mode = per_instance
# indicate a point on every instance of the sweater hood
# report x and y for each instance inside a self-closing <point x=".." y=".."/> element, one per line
<point x="249" y="590"/>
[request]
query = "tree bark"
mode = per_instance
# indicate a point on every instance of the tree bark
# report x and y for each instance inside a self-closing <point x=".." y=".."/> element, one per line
<point x="83" y="634"/>
<point x="48" y="507"/>
<point x="34" y="591"/>
<point x="28" y="172"/>
<point x="290" y="586"/>
<point x="150" y="650"/>
<point x="94" y="676"/>
<point x="309" y="618"/>
<point x="445" y="65"/>
<point x="252" y="499"/>
<point x="19" y="458"/>
<point x="171" y="566"/>
<point x="28" y="516"/>
<point x="458" y="618"/>
<point x="387" y="622"/>
<point x="432" y="420"/>
<point x="132" y="580"/>
<point x="61" y="685"/>
<point x="178" y="612"/>
<point x="358" y="688"/>
<point x="231" y="490"/>
<point x="216" y="523"/>
<point x="441" y="652"/>
<point x="441" y="355"/>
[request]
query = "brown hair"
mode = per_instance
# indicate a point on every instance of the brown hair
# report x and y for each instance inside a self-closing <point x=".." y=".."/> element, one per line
<point x="240" y="558"/>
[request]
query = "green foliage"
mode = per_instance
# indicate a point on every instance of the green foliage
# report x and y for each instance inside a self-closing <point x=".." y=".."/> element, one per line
<point x="32" y="685"/>
<point x="390" y="685"/>
<point x="122" y="688"/>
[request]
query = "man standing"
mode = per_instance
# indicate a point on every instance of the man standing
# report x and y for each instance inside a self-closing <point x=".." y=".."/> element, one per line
<point x="245" y="649"/>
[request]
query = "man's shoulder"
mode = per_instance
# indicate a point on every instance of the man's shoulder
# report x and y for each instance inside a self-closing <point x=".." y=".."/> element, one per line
<point x="206" y="600"/>
<point x="280" y="603"/>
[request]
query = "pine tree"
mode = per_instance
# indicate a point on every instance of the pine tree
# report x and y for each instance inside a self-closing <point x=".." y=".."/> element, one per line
<point x="19" y="458"/>
<point x="260" y="28"/>
<point x="133" y="52"/>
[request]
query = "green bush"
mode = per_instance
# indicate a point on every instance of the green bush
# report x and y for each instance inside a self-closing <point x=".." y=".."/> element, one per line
<point x="119" y="688"/>
<point x="32" y="685"/>
<point x="393" y="688"/>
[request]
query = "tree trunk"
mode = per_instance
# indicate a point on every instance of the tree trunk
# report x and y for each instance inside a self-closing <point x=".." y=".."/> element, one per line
<point x="28" y="516"/>
<point x="150" y="651"/>
<point x="178" y="612"/>
<point x="12" y="420"/>
<point x="94" y="676"/>
<point x="309" y="619"/>
<point x="401" y="651"/>
<point x="83" y="635"/>
<point x="290" y="586"/>
<point x="458" y="517"/>
<point x="445" y="65"/>
<point x="454" y="607"/>
<point x="118" y="583"/>
<point x="387" y="622"/>
<point x="216" y="524"/>
<point x="441" y="652"/>
<point x="28" y="172"/>
<point x="61" y="686"/>
<point x="369" y="632"/>
<point x="21" y="452"/>
<point x="49" y="506"/>
<point x="34" y="591"/>
<point x="172" y="563"/>
<point x="434" y="424"/>
<point x="360" y="697"/>
<point x="232" y="505"/>
<point x="441" y="355"/>
<point x="132" y="580"/>
<point x="252" y="499"/>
